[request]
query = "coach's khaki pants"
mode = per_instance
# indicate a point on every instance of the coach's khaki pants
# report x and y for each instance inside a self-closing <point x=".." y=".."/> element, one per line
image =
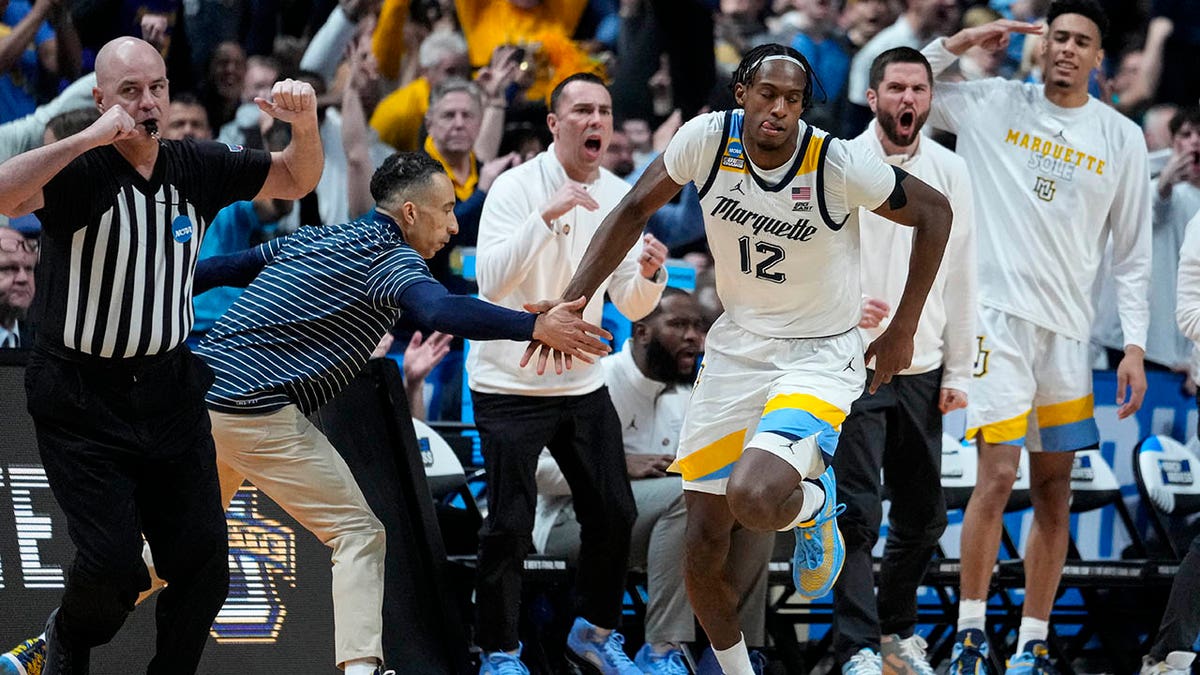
<point x="293" y="463"/>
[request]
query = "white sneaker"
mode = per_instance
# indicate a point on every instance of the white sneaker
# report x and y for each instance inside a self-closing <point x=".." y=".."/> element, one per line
<point x="1176" y="663"/>
<point x="864" y="662"/>
<point x="904" y="656"/>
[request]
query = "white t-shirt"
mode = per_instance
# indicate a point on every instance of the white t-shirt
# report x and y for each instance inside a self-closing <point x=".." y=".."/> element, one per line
<point x="785" y="252"/>
<point x="1051" y="185"/>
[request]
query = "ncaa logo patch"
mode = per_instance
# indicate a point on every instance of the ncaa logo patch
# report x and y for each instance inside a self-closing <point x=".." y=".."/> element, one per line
<point x="731" y="159"/>
<point x="181" y="229"/>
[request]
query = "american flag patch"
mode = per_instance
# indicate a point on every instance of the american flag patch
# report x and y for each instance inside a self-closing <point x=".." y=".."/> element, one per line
<point x="802" y="194"/>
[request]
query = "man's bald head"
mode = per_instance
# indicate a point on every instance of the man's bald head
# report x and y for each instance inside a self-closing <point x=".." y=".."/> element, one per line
<point x="117" y="56"/>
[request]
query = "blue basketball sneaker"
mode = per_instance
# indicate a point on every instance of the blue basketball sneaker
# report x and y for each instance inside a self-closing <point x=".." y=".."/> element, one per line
<point x="503" y="663"/>
<point x="820" y="550"/>
<point x="654" y="663"/>
<point x="1034" y="659"/>
<point x="598" y="655"/>
<point x="970" y="654"/>
<point x="26" y="658"/>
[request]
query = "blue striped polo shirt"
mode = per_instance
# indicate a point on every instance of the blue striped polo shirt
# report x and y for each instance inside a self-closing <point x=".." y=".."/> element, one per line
<point x="309" y="321"/>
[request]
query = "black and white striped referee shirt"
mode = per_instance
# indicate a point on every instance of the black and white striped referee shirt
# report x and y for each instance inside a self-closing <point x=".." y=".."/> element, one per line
<point x="119" y="251"/>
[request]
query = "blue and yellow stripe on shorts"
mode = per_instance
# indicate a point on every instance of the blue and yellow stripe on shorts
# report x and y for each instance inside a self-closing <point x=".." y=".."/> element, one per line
<point x="793" y="416"/>
<point x="1007" y="432"/>
<point x="1063" y="427"/>
<point x="1069" y="425"/>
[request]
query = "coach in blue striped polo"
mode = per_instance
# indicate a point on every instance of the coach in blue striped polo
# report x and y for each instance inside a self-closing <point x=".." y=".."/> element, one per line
<point x="322" y="299"/>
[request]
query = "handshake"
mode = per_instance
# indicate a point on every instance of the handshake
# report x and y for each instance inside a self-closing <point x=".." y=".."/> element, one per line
<point x="560" y="334"/>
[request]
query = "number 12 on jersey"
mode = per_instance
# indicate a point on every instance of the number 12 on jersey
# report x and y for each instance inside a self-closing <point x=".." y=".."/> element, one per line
<point x="772" y="255"/>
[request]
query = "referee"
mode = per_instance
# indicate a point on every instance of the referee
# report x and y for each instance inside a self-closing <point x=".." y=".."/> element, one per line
<point x="117" y="399"/>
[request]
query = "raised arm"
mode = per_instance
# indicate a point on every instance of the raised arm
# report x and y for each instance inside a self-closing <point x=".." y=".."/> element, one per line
<point x="915" y="204"/>
<point x="23" y="177"/>
<point x="294" y="171"/>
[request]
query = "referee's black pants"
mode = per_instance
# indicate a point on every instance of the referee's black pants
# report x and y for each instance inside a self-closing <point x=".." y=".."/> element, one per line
<point x="583" y="434"/>
<point x="127" y="451"/>
<point x="898" y="429"/>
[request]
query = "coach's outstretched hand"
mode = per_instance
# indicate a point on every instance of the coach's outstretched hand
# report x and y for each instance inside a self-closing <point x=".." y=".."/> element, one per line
<point x="561" y="334"/>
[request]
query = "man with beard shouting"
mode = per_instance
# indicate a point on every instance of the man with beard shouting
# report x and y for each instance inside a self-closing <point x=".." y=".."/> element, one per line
<point x="899" y="427"/>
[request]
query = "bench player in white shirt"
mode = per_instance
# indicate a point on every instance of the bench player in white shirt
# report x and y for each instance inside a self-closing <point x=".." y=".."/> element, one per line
<point x="1055" y="173"/>
<point x="785" y="362"/>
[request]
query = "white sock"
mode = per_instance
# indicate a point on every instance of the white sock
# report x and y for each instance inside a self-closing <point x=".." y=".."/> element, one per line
<point x="814" y="501"/>
<point x="971" y="614"/>
<point x="660" y="648"/>
<point x="1031" y="629"/>
<point x="361" y="666"/>
<point x="735" y="660"/>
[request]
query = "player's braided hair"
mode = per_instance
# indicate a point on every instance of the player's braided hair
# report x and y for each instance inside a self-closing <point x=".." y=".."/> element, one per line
<point x="753" y="59"/>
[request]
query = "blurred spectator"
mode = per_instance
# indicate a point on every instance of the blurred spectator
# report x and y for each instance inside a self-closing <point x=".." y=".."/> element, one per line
<point x="1176" y="201"/>
<point x="352" y="149"/>
<point x="680" y="222"/>
<point x="332" y="40"/>
<point x="862" y="20"/>
<point x="397" y="119"/>
<point x="650" y="382"/>
<point x="920" y="23"/>
<point x="68" y="123"/>
<point x="524" y="139"/>
<point x="223" y="88"/>
<point x="33" y="55"/>
<point x="1156" y="128"/>
<point x="637" y="130"/>
<point x="738" y="26"/>
<point x="187" y="118"/>
<point x="456" y="122"/>
<point x="618" y="158"/>
<point x="18" y="257"/>
<point x="680" y="29"/>
<point x="25" y="134"/>
<point x="1172" y="43"/>
<point x="1123" y="84"/>
<point x="818" y="39"/>
<point x="261" y="73"/>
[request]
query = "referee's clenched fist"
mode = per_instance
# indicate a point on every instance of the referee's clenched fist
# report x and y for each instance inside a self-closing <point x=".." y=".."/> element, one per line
<point x="291" y="101"/>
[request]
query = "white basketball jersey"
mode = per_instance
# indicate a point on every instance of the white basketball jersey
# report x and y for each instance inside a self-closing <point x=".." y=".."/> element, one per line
<point x="784" y="267"/>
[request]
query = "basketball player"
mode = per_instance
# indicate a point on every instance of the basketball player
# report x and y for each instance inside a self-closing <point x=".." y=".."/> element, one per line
<point x="785" y="362"/>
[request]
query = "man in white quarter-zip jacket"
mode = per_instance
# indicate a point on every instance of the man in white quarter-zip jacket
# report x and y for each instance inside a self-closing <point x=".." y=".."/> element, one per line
<point x="899" y="427"/>
<point x="537" y="222"/>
